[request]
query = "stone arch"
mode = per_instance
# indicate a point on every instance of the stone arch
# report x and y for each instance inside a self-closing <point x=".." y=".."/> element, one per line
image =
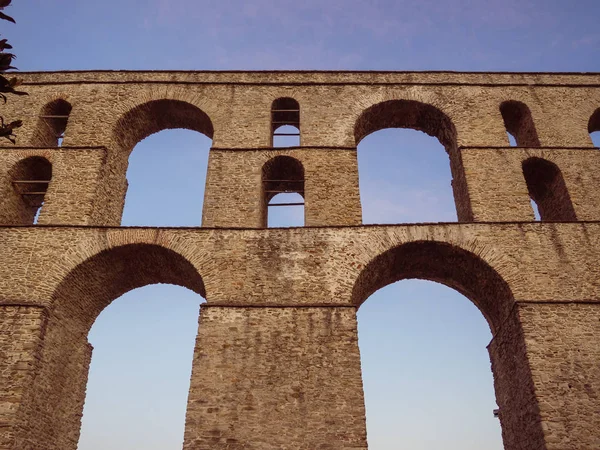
<point x="473" y="277"/>
<point x="285" y="112"/>
<point x="135" y="124"/>
<point x="407" y="114"/>
<point x="30" y="178"/>
<point x="548" y="190"/>
<point x="52" y="123"/>
<point x="444" y="263"/>
<point x="280" y="174"/>
<point x="519" y="123"/>
<point x="112" y="272"/>
<point x="429" y="119"/>
<point x="59" y="388"/>
<point x="156" y="115"/>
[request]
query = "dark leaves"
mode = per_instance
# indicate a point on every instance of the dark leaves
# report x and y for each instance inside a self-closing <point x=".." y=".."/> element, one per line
<point x="8" y="85"/>
<point x="7" y="17"/>
<point x="4" y="45"/>
<point x="5" y="61"/>
<point x="6" y="130"/>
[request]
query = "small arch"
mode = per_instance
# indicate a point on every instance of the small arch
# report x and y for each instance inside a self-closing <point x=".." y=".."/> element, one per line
<point x="52" y="123"/>
<point x="519" y="124"/>
<point x="30" y="179"/>
<point x="444" y="263"/>
<point x="594" y="127"/>
<point x="548" y="190"/>
<point x="281" y="175"/>
<point x="285" y="122"/>
<point x="157" y="115"/>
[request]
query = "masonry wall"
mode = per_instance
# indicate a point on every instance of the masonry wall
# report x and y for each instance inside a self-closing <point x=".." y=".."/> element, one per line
<point x="238" y="107"/>
<point x="276" y="378"/>
<point x="276" y="362"/>
<point x="21" y="337"/>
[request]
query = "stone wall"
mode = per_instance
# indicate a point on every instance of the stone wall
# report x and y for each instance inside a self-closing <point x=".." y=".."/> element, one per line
<point x="276" y="363"/>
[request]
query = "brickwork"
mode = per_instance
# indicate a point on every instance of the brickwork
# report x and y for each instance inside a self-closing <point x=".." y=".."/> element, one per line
<point x="276" y="363"/>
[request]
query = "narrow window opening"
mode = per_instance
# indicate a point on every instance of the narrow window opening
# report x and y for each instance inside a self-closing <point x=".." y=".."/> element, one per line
<point x="519" y="124"/>
<point x="285" y="123"/>
<point x="594" y="128"/>
<point x="53" y="123"/>
<point x="548" y="190"/>
<point x="286" y="210"/>
<point x="30" y="179"/>
<point x="283" y="177"/>
<point x="511" y="140"/>
<point x="536" y="210"/>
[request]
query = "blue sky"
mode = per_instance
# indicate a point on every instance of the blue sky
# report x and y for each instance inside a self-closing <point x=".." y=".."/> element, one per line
<point x="426" y="370"/>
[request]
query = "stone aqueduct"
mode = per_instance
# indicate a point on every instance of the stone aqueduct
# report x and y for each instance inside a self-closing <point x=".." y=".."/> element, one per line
<point x="276" y="363"/>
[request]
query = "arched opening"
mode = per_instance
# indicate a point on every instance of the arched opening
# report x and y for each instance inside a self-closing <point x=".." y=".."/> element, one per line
<point x="30" y="179"/>
<point x="285" y="122"/>
<point x="547" y="189"/>
<point x="167" y="143"/>
<point x="140" y="370"/>
<point x="519" y="124"/>
<point x="282" y="200"/>
<point x="77" y="302"/>
<point x="594" y="128"/>
<point x="427" y="382"/>
<point x="425" y="370"/>
<point x="52" y="124"/>
<point x="413" y="183"/>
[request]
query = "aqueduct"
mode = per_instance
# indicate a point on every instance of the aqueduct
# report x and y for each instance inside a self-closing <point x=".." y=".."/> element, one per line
<point x="270" y="291"/>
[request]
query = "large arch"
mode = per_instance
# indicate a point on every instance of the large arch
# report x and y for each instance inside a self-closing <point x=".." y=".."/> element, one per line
<point x="133" y="126"/>
<point x="412" y="114"/>
<point x="443" y="263"/>
<point x="58" y="392"/>
<point x="157" y="115"/>
<point x="473" y="277"/>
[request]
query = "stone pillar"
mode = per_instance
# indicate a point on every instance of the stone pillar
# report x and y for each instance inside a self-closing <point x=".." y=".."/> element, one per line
<point x="71" y="195"/>
<point x="43" y="374"/>
<point x="276" y="378"/>
<point x="563" y="349"/>
<point x="498" y="191"/>
<point x="547" y="377"/>
<point x="21" y="334"/>
<point x="515" y="392"/>
<point x="234" y="186"/>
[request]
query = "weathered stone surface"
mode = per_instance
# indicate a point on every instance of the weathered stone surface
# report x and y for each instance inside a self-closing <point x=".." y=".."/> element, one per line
<point x="276" y="363"/>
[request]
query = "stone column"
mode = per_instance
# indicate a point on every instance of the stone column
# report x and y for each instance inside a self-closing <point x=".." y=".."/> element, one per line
<point x="21" y="334"/>
<point x="547" y="377"/>
<point x="276" y="378"/>
<point x="43" y="374"/>
<point x="563" y="349"/>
